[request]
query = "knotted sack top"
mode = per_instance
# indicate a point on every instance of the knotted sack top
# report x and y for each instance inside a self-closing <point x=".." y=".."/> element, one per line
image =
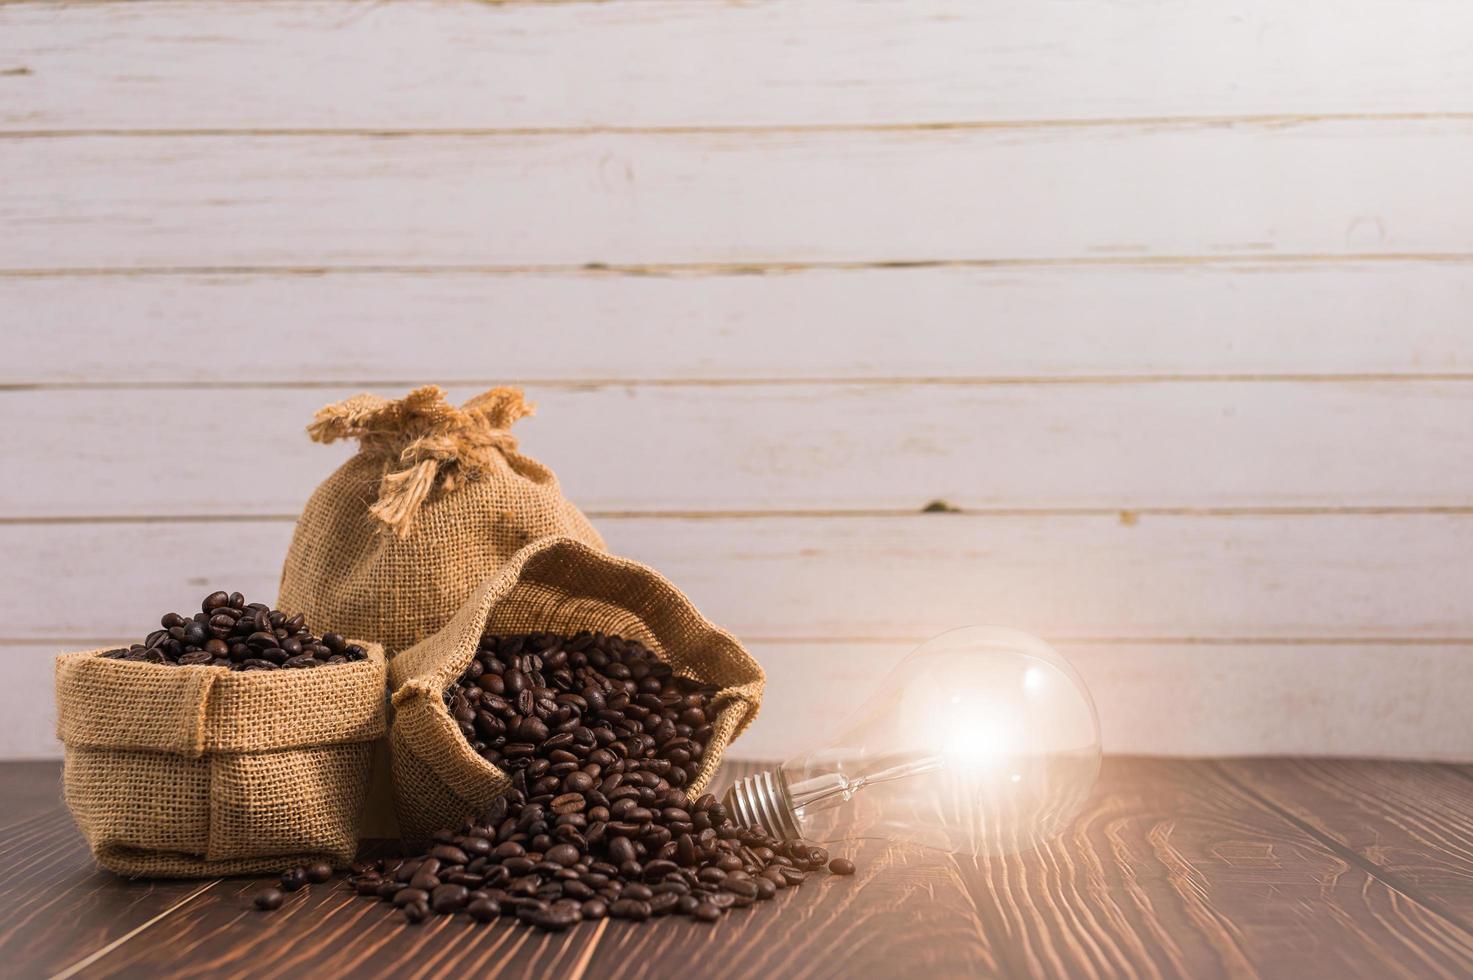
<point x="425" y="443"/>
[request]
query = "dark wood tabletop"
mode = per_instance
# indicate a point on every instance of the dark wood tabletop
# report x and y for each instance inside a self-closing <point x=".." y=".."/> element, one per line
<point x="1232" y="867"/>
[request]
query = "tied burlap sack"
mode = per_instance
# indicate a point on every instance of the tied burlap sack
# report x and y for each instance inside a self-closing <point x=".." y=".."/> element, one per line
<point x="202" y="771"/>
<point x="557" y="585"/>
<point x="436" y="499"/>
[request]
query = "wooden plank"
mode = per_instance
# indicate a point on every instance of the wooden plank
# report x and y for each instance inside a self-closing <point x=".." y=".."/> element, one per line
<point x="1174" y="868"/>
<point x="28" y="701"/>
<point x="960" y="323"/>
<point x="1394" y="701"/>
<point x="28" y="789"/>
<point x="899" y="914"/>
<point x="928" y="917"/>
<point x="1174" y="871"/>
<point x="1364" y="699"/>
<point x="1107" y="446"/>
<point x="331" y="931"/>
<point x="1363" y="577"/>
<point x="61" y="907"/>
<point x="1333" y="188"/>
<point x="339" y="64"/>
<point x="1413" y="820"/>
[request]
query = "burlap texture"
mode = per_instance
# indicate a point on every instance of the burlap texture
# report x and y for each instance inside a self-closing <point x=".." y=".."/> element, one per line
<point x="558" y="585"/>
<point x="202" y="771"/>
<point x="437" y="498"/>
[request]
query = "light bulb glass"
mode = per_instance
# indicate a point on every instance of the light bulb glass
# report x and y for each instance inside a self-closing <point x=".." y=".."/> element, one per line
<point x="983" y="740"/>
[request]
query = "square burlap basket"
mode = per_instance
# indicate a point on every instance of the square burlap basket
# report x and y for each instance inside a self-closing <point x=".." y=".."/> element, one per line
<point x="558" y="585"/>
<point x="187" y="772"/>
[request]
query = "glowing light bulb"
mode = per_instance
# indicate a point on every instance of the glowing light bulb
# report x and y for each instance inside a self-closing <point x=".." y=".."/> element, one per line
<point x="983" y="740"/>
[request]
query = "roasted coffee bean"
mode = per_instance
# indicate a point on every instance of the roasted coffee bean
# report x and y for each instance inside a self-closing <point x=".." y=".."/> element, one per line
<point x="841" y="866"/>
<point x="558" y="917"/>
<point x="599" y="737"/>
<point x="416" y="913"/>
<point x="318" y="872"/>
<point x="450" y="854"/>
<point x="744" y="887"/>
<point x="483" y="909"/>
<point x="564" y="854"/>
<point x="449" y="898"/>
<point x="630" y="908"/>
<point x="411" y="895"/>
<point x="268" y="899"/>
<point x="231" y="633"/>
<point x="663" y="904"/>
<point x="293" y="879"/>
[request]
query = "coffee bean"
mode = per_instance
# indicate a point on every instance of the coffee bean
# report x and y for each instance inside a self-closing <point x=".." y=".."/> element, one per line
<point x="630" y="908"/>
<point x="564" y="854"/>
<point x="268" y="899"/>
<point x="293" y="879"/>
<point x="449" y="898"/>
<point x="598" y="738"/>
<point x="411" y="895"/>
<point x="318" y="872"/>
<point x="841" y="866"/>
<point x="558" y="917"/>
<point x="450" y="854"/>
<point x="231" y="633"/>
<point x="484" y="909"/>
<point x="744" y="887"/>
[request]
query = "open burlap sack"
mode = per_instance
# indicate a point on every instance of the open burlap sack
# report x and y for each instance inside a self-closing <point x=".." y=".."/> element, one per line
<point x="437" y="498"/>
<point x="558" y="585"/>
<point x="201" y="771"/>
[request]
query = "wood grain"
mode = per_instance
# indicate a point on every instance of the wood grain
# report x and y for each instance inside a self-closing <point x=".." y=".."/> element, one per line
<point x="958" y="324"/>
<point x="60" y="907"/>
<point x="1331" y="188"/>
<point x="1174" y="871"/>
<point x="1408" y="818"/>
<point x="416" y="65"/>
<point x="1174" y="868"/>
<point x="1364" y="577"/>
<point x="1105" y="447"/>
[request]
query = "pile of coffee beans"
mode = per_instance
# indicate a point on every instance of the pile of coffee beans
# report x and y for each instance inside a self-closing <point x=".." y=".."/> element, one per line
<point x="549" y="705"/>
<point x="598" y="736"/>
<point x="230" y="632"/>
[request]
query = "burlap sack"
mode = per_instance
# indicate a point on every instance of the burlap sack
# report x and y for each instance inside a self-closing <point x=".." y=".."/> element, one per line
<point x="437" y="498"/>
<point x="202" y="771"/>
<point x="559" y="585"/>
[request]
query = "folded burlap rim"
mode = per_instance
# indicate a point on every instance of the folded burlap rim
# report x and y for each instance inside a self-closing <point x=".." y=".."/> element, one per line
<point x="189" y="711"/>
<point x="560" y="584"/>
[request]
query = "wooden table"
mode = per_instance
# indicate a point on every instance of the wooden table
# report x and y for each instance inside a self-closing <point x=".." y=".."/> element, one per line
<point x="1273" y="867"/>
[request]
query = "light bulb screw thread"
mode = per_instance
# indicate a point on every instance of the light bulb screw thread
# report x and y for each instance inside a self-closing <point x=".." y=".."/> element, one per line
<point x="762" y="801"/>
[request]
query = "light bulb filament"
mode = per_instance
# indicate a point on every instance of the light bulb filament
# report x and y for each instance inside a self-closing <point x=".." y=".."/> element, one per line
<point x="834" y="789"/>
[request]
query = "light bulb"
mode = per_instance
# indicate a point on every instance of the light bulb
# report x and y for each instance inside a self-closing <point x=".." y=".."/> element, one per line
<point x="983" y="740"/>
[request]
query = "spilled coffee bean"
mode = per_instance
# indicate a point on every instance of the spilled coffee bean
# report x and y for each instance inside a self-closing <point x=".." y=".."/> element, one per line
<point x="598" y="736"/>
<point x="230" y="632"/>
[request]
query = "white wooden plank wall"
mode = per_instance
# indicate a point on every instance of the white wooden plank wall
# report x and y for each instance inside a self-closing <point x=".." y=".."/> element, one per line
<point x="1170" y="302"/>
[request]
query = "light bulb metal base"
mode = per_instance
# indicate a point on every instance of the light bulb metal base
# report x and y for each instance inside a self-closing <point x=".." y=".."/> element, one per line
<point x="762" y="801"/>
